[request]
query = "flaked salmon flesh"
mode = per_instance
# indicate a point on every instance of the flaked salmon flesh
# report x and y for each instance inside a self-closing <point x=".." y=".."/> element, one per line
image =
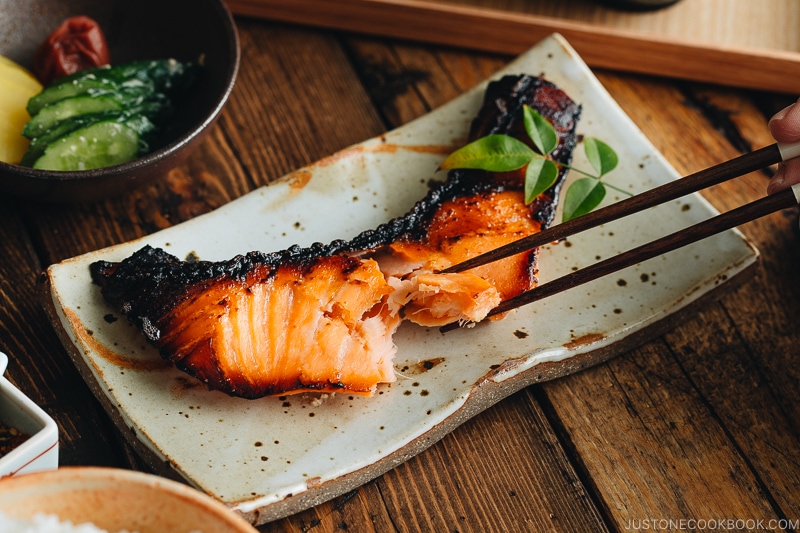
<point x="322" y="318"/>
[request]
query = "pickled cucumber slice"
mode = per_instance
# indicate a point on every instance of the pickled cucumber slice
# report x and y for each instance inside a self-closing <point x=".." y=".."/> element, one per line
<point x="52" y="114"/>
<point x="141" y="124"/>
<point x="128" y="102"/>
<point x="102" y="144"/>
<point x="164" y="75"/>
<point x="67" y="89"/>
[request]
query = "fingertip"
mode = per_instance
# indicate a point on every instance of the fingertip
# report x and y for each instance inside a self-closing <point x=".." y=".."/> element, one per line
<point x="785" y="124"/>
<point x="776" y="182"/>
<point x="780" y="114"/>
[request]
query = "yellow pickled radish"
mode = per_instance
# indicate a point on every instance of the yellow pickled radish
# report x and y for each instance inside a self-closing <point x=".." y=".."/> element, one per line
<point x="17" y="86"/>
<point x="13" y="71"/>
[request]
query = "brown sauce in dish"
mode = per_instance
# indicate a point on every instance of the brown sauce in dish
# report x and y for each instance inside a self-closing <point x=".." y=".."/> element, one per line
<point x="10" y="438"/>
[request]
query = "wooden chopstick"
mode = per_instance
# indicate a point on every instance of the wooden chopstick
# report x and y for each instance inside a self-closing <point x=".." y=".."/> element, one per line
<point x="738" y="166"/>
<point x="746" y="213"/>
<point x="735" y="167"/>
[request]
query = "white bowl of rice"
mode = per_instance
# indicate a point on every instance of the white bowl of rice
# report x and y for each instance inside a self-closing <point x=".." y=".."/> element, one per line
<point x="110" y="500"/>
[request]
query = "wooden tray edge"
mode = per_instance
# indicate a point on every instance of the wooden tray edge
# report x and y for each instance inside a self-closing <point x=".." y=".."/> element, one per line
<point x="494" y="30"/>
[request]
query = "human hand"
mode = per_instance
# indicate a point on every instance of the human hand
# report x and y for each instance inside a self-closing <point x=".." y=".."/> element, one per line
<point x="785" y="127"/>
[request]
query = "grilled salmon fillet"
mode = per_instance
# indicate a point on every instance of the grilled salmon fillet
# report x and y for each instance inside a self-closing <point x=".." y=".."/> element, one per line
<point x="322" y="318"/>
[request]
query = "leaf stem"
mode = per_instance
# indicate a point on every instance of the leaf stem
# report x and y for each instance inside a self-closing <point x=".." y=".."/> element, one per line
<point x="598" y="178"/>
<point x="623" y="191"/>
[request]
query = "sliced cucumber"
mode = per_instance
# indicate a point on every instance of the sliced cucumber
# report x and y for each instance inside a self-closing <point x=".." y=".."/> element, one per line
<point x="51" y="115"/>
<point x="158" y="71"/>
<point x="141" y="124"/>
<point x="165" y="75"/>
<point x="126" y="98"/>
<point x="39" y="144"/>
<point x="102" y="144"/>
<point x="90" y="85"/>
<point x="103" y="116"/>
<point x="170" y="76"/>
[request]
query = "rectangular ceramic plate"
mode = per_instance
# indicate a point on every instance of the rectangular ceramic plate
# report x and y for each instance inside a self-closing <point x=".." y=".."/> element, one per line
<point x="271" y="457"/>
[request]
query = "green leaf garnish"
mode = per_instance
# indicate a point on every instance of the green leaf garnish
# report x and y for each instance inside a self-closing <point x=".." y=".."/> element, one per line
<point x="503" y="153"/>
<point x="583" y="196"/>
<point x="539" y="176"/>
<point x="496" y="153"/>
<point x="601" y="156"/>
<point x="539" y="129"/>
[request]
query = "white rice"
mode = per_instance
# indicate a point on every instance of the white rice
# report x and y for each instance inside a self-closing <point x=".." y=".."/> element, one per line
<point x="45" y="523"/>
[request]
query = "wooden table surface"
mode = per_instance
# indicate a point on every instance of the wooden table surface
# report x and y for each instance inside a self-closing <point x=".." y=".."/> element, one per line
<point x="700" y="424"/>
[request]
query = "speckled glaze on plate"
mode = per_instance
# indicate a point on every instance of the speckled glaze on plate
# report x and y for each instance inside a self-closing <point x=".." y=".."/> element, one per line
<point x="275" y="456"/>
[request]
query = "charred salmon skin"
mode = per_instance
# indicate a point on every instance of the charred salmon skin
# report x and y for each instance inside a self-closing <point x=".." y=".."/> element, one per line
<point x="322" y="318"/>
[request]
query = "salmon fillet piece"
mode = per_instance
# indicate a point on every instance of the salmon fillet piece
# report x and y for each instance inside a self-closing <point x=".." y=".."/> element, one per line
<point x="261" y="324"/>
<point x="328" y="310"/>
<point x="322" y="318"/>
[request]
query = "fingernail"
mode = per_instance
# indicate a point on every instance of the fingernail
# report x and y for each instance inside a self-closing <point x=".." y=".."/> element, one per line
<point x="776" y="183"/>
<point x="793" y="109"/>
<point x="780" y="115"/>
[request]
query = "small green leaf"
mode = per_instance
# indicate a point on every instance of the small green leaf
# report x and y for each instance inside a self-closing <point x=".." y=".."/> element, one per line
<point x="496" y="153"/>
<point x="601" y="156"/>
<point x="539" y="129"/>
<point x="583" y="196"/>
<point x="539" y="176"/>
<point x="503" y="153"/>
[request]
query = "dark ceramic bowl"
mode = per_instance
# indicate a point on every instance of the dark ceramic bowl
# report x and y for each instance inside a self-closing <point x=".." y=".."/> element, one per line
<point x="142" y="29"/>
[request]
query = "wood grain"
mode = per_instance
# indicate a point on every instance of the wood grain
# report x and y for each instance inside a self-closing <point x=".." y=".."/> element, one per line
<point x="702" y="422"/>
<point x="740" y="410"/>
<point x="36" y="364"/>
<point x="602" y="38"/>
<point x="660" y="421"/>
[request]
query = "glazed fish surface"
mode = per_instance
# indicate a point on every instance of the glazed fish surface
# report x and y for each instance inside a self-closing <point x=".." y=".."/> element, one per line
<point x="321" y="318"/>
